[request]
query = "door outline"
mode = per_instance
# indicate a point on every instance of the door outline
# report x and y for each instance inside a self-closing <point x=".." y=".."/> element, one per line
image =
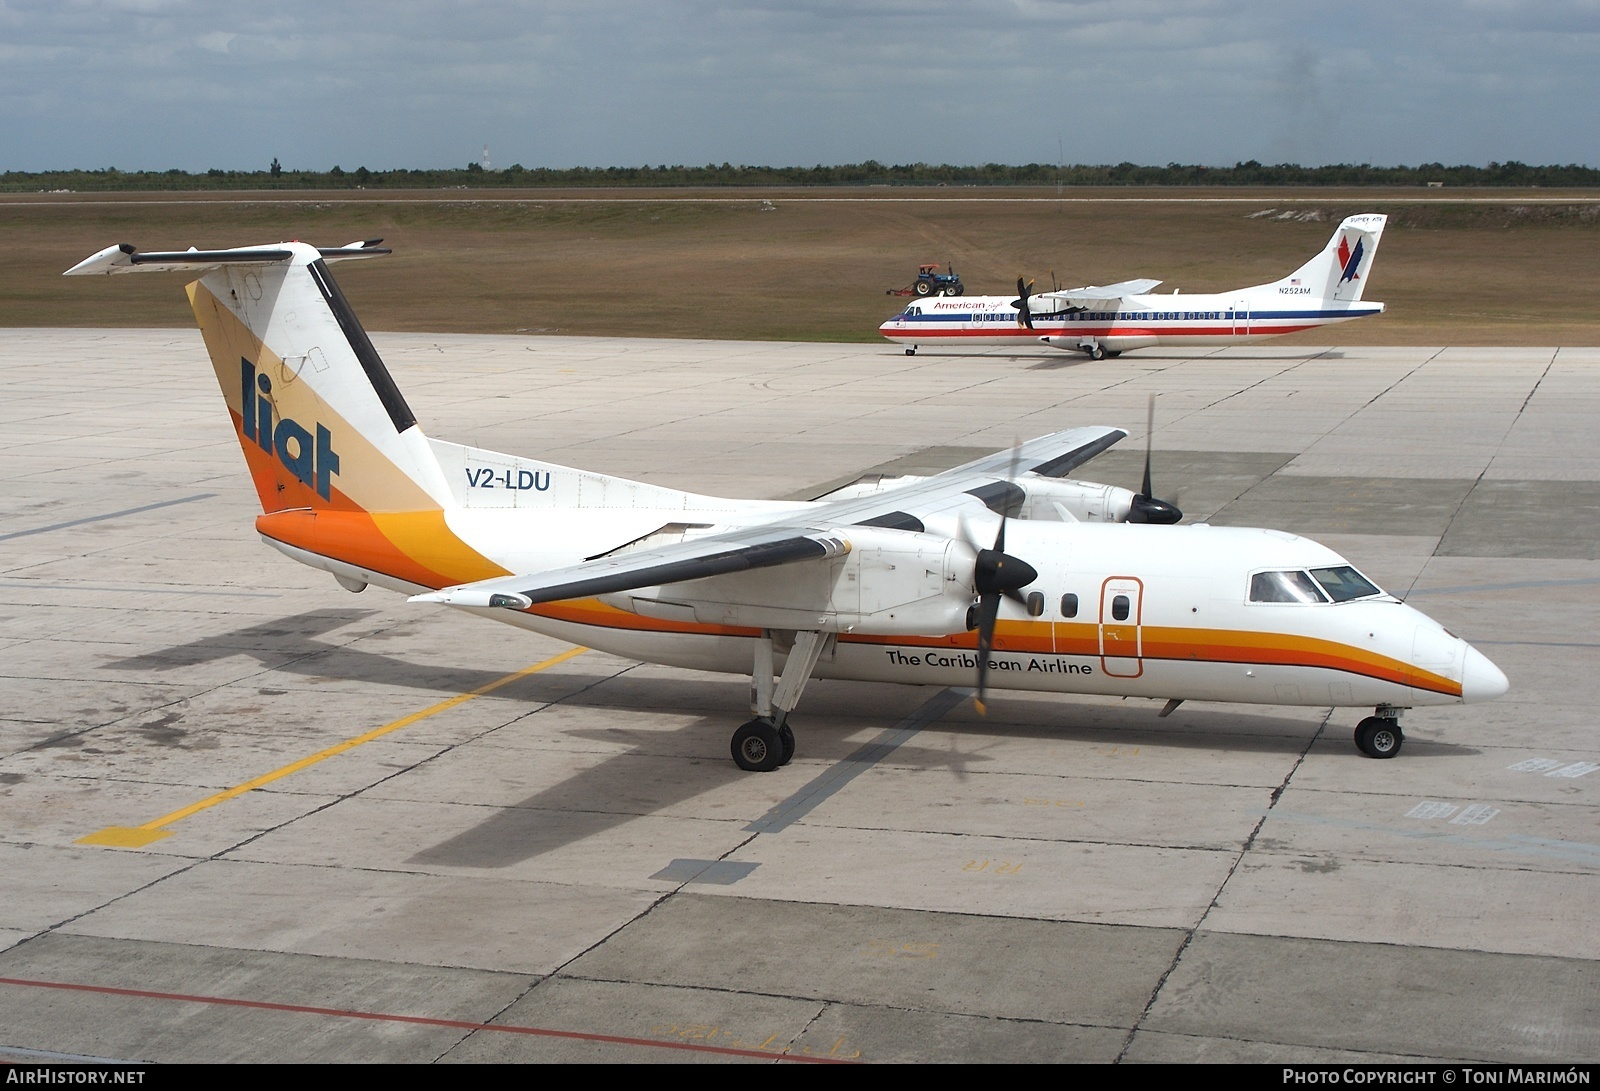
<point x="1120" y="638"/>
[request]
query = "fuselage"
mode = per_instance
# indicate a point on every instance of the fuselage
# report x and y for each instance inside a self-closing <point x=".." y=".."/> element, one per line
<point x="1163" y="612"/>
<point x="1142" y="321"/>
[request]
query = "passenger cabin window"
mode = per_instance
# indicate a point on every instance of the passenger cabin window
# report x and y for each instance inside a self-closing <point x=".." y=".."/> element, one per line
<point x="1036" y="604"/>
<point x="1284" y="587"/>
<point x="1344" y="583"/>
<point x="1069" y="605"/>
<point x="1119" y="608"/>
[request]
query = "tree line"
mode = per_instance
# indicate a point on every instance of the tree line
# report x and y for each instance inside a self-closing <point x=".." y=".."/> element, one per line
<point x="870" y="173"/>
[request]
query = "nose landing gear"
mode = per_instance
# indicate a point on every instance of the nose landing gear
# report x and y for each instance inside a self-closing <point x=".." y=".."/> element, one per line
<point x="1379" y="736"/>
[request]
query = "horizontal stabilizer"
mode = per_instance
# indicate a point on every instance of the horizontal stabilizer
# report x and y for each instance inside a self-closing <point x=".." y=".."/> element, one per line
<point x="127" y="258"/>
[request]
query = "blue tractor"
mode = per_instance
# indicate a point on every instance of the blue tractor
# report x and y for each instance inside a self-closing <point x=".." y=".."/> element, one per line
<point x="932" y="282"/>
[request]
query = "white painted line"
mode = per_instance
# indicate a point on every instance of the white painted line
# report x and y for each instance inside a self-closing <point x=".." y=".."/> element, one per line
<point x="1535" y="765"/>
<point x="1475" y="815"/>
<point x="1430" y="809"/>
<point x="1576" y="769"/>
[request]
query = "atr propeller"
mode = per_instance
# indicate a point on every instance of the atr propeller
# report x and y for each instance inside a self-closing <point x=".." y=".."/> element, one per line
<point x="1024" y="315"/>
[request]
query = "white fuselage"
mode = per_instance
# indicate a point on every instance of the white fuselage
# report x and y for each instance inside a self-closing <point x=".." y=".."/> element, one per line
<point x="1142" y="321"/>
<point x="1147" y="611"/>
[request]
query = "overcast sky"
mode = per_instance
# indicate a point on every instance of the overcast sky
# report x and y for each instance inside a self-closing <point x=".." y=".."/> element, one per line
<point x="154" y="84"/>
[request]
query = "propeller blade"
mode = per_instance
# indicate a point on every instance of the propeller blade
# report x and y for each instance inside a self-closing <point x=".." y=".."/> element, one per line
<point x="1149" y="441"/>
<point x="1145" y="507"/>
<point x="1024" y="314"/>
<point x="996" y="573"/>
<point x="988" y="610"/>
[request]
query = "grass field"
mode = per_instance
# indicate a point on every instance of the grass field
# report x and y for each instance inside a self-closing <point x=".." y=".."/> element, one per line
<point x="1463" y="268"/>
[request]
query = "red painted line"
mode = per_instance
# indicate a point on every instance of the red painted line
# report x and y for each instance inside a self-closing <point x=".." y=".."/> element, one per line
<point x="420" y="1020"/>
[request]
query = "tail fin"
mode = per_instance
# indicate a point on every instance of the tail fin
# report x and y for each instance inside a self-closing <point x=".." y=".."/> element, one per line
<point x="1340" y="271"/>
<point x="321" y="422"/>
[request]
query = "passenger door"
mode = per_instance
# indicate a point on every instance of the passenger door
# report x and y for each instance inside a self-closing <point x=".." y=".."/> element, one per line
<point x="1121" y="626"/>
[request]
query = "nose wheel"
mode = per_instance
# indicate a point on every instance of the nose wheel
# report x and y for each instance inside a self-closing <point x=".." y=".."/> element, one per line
<point x="761" y="746"/>
<point x="1379" y="736"/>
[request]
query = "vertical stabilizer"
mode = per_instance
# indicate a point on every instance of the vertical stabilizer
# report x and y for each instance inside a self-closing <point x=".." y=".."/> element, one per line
<point x="1340" y="271"/>
<point x="321" y="422"/>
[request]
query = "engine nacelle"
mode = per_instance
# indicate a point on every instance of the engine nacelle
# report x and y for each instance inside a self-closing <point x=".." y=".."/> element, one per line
<point x="1068" y="500"/>
<point x="891" y="582"/>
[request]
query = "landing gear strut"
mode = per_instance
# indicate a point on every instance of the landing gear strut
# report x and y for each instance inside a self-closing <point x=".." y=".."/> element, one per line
<point x="767" y="742"/>
<point x="1379" y="736"/>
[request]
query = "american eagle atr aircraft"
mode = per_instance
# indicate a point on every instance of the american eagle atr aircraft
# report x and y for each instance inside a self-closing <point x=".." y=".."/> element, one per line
<point x="1004" y="571"/>
<point x="1108" y="321"/>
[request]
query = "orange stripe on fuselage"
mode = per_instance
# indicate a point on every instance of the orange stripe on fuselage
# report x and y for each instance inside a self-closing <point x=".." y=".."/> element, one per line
<point x="420" y="548"/>
<point x="415" y="546"/>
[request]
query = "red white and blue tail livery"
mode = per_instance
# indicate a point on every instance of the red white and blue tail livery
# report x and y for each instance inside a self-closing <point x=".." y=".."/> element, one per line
<point x="1106" y="321"/>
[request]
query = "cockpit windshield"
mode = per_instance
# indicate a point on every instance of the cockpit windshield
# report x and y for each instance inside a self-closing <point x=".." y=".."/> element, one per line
<point x="1344" y="583"/>
<point x="1320" y="585"/>
<point x="1284" y="587"/>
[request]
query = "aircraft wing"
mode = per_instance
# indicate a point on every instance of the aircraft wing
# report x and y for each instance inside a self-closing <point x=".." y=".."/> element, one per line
<point x="1094" y="293"/>
<point x="797" y="536"/>
<point x="1055" y="455"/>
<point x="714" y="555"/>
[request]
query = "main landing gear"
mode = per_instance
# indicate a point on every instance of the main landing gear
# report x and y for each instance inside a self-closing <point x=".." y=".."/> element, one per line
<point x="912" y="351"/>
<point x="1379" y="736"/>
<point x="767" y="742"/>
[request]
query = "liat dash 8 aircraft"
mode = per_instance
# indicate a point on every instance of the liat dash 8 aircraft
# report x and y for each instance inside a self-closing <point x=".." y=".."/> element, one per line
<point x="1110" y="320"/>
<point x="1004" y="572"/>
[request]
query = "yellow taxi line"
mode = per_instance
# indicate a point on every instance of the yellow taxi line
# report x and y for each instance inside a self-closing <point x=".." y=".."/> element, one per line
<point x="155" y="830"/>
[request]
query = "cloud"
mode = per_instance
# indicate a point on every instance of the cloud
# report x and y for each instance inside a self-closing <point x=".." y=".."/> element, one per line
<point x="165" y="83"/>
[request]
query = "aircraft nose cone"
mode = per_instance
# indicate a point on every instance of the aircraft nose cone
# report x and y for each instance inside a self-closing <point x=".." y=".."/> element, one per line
<point x="1481" y="680"/>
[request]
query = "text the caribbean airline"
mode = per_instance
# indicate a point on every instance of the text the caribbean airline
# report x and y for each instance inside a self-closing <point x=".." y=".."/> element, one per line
<point x="1109" y="320"/>
<point x="1004" y="571"/>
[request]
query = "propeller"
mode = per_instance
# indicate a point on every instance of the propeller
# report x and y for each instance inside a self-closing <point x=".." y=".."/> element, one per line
<point x="1024" y="315"/>
<point x="997" y="573"/>
<point x="1145" y="507"/>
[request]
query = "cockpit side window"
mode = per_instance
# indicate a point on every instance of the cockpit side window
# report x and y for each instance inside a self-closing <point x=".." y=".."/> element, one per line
<point x="1344" y="583"/>
<point x="1284" y="587"/>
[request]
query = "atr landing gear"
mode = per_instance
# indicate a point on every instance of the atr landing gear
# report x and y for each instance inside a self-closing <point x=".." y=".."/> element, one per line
<point x="1093" y="349"/>
<point x="912" y="351"/>
<point x="1380" y="736"/>
<point x="767" y="742"/>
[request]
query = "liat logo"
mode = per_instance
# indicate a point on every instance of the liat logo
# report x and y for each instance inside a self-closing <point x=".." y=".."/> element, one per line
<point x="312" y="461"/>
<point x="1350" y="259"/>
